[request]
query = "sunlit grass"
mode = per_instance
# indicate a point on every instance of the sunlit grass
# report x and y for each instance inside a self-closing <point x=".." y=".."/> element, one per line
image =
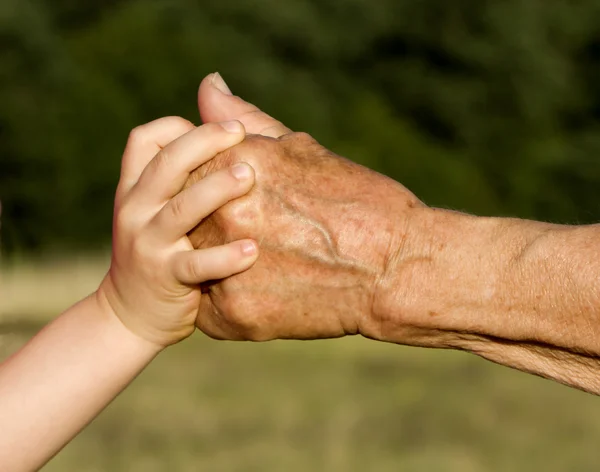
<point x="343" y="405"/>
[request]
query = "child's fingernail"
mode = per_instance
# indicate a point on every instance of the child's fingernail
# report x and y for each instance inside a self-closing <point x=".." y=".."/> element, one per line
<point x="232" y="126"/>
<point x="249" y="248"/>
<point x="241" y="171"/>
<point x="220" y="84"/>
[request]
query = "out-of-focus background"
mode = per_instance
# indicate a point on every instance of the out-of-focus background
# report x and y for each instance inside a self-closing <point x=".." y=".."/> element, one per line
<point x="491" y="107"/>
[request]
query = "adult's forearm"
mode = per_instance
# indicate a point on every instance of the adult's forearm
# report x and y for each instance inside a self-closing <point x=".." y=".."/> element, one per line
<point x="521" y="293"/>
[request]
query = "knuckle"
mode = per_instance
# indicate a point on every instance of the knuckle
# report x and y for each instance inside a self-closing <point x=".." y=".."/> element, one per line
<point x="242" y="316"/>
<point x="143" y="133"/>
<point x="172" y="125"/>
<point x="178" y="122"/>
<point x="122" y="220"/>
<point x="192" y="268"/>
<point x="162" y="160"/>
<point x="124" y="216"/>
<point x="298" y="136"/>
<point x="137" y="135"/>
<point x="223" y="220"/>
<point x="257" y="150"/>
<point x="241" y="216"/>
<point x="177" y="207"/>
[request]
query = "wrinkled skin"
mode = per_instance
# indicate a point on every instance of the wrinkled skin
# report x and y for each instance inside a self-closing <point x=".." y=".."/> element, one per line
<point x="327" y="228"/>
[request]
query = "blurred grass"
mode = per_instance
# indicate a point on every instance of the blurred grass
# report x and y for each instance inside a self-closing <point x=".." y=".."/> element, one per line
<point x="343" y="405"/>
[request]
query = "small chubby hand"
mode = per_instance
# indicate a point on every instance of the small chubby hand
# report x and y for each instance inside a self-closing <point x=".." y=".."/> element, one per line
<point x="153" y="285"/>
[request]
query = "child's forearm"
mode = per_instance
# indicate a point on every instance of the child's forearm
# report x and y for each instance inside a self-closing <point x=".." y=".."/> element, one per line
<point x="59" y="381"/>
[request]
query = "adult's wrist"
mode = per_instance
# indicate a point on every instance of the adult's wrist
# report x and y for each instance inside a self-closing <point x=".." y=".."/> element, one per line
<point x="448" y="275"/>
<point x="461" y="281"/>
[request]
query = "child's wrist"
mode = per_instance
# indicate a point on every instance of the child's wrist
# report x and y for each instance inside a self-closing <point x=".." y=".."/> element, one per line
<point x="114" y="323"/>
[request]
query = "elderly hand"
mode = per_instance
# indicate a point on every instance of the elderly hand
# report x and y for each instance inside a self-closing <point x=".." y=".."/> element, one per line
<point x="325" y="233"/>
<point x="345" y="250"/>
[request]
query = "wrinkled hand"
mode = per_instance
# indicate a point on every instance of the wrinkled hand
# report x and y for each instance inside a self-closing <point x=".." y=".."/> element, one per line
<point x="324" y="226"/>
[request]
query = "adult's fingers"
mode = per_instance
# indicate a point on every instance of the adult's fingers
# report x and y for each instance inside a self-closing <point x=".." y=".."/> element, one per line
<point x="186" y="209"/>
<point x="217" y="103"/>
<point x="167" y="173"/>
<point x="144" y="143"/>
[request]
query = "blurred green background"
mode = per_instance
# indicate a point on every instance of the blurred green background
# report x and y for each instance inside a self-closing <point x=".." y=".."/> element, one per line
<point x="486" y="106"/>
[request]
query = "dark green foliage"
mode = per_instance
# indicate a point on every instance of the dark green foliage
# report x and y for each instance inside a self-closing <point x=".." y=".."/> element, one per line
<point x="486" y="106"/>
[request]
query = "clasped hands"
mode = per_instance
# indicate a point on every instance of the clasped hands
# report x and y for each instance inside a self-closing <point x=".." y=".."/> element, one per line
<point x="328" y="230"/>
<point x="329" y="233"/>
<point x="343" y="250"/>
<point x="249" y="231"/>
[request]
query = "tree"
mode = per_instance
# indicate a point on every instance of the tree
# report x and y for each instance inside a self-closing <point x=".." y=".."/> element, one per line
<point x="486" y="106"/>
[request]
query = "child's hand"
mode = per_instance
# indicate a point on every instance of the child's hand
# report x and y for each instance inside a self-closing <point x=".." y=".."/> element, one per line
<point x="62" y="378"/>
<point x="152" y="285"/>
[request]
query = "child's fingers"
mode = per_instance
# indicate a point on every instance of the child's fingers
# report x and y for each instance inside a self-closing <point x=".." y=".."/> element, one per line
<point x="144" y="143"/>
<point x="185" y="210"/>
<point x="200" y="265"/>
<point x="167" y="173"/>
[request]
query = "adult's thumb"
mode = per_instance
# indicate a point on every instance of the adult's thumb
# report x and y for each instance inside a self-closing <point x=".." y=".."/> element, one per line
<point x="217" y="103"/>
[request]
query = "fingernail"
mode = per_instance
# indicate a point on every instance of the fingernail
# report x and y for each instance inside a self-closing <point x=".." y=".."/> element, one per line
<point x="249" y="248"/>
<point x="232" y="126"/>
<point x="220" y="84"/>
<point x="241" y="171"/>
